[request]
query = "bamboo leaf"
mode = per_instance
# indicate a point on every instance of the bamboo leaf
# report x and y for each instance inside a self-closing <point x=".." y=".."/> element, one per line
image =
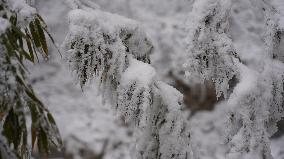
<point x="9" y="47"/>
<point x="32" y="46"/>
<point x="35" y="35"/>
<point x="41" y="19"/>
<point x="33" y="133"/>
<point x="44" y="141"/>
<point x="30" y="49"/>
<point x="52" y="40"/>
<point x="18" y="31"/>
<point x="26" y="55"/>
<point x="33" y="97"/>
<point x="21" y="43"/>
<point x="41" y="36"/>
<point x="19" y="79"/>
<point x="51" y="119"/>
<point x="11" y="128"/>
<point x="13" y="19"/>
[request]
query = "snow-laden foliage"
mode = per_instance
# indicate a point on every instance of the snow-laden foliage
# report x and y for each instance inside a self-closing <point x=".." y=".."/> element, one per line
<point x="135" y="92"/>
<point x="115" y="51"/>
<point x="22" y="38"/>
<point x="256" y="103"/>
<point x="22" y="8"/>
<point x="96" y="42"/>
<point x="211" y="55"/>
<point x="272" y="33"/>
<point x="82" y="4"/>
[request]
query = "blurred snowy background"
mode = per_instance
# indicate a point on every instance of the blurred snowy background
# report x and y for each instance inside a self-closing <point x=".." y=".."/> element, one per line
<point x="90" y="128"/>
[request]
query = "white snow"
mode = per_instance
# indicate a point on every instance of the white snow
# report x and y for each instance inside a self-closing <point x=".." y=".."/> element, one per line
<point x="4" y="24"/>
<point x="84" y="116"/>
<point x="107" y="22"/>
<point x="22" y="8"/>
<point x="140" y="72"/>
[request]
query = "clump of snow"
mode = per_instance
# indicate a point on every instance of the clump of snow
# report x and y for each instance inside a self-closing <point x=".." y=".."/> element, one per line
<point x="21" y="7"/>
<point x="140" y="72"/>
<point x="134" y="90"/>
<point x="4" y="24"/>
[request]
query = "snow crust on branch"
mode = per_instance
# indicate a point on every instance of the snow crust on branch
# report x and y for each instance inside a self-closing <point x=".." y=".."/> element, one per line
<point x="115" y="51"/>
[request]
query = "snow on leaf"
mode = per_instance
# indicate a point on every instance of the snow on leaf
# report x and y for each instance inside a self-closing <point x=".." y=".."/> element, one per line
<point x="211" y="55"/>
<point x="115" y="50"/>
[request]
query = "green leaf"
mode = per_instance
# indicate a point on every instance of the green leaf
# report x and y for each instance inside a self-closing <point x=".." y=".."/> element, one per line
<point x="33" y="133"/>
<point x="19" y="79"/>
<point x="35" y="35"/>
<point x="30" y="49"/>
<point x="43" y="142"/>
<point x="41" y="36"/>
<point x="29" y="38"/>
<point x="43" y="128"/>
<point x="18" y="31"/>
<point x="9" y="47"/>
<point x="12" y="129"/>
<point x="33" y="97"/>
<point x="51" y="119"/>
<point x="41" y="19"/>
<point x="12" y="41"/>
<point x="26" y="55"/>
<point x="52" y="40"/>
<point x="13" y="19"/>
<point x="21" y="44"/>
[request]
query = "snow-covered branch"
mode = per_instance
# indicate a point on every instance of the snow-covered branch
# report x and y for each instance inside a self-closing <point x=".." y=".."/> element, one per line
<point x="115" y="51"/>
<point x="211" y="55"/>
<point x="256" y="101"/>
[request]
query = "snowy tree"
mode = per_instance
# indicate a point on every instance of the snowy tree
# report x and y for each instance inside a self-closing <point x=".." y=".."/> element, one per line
<point x="115" y="51"/>
<point x="116" y="54"/>
<point x="22" y="38"/>
<point x="230" y="49"/>
<point x="256" y="102"/>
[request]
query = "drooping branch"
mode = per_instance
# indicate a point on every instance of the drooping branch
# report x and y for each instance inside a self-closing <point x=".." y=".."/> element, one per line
<point x="256" y="101"/>
<point x="115" y="51"/>
<point x="211" y="55"/>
